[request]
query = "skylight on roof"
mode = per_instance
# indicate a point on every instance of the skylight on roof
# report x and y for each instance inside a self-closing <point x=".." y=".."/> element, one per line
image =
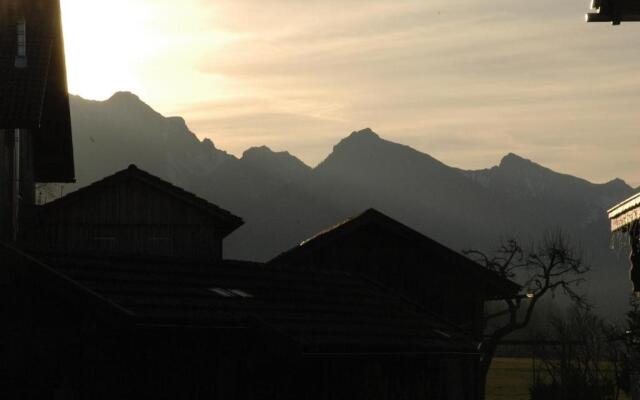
<point x="221" y="292"/>
<point x="442" y="333"/>
<point x="241" y="293"/>
<point x="230" y="292"/>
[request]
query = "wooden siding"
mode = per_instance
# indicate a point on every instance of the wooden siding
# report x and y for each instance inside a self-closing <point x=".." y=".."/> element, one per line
<point x="624" y="220"/>
<point x="129" y="219"/>
<point x="5" y="186"/>
<point x="61" y="340"/>
<point x="27" y="184"/>
<point x="36" y="97"/>
<point x="56" y="347"/>
<point x="406" y="269"/>
<point x="393" y="379"/>
<point x="625" y="213"/>
<point x="85" y="361"/>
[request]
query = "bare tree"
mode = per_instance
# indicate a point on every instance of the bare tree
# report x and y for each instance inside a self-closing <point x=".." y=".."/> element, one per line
<point x="580" y="357"/>
<point x="551" y="266"/>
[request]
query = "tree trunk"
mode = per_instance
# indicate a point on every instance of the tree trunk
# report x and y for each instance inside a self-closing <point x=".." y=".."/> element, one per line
<point x="482" y="387"/>
<point x="488" y="351"/>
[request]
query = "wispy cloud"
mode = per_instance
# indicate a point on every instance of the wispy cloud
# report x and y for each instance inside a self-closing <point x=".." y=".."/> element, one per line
<point x="465" y="81"/>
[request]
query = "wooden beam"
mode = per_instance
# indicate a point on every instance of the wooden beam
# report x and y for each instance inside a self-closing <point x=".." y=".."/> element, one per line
<point x="624" y="221"/>
<point x="599" y="17"/>
<point x="624" y="214"/>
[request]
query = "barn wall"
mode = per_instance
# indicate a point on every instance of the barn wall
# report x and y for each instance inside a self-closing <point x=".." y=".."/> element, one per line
<point x="27" y="182"/>
<point x="41" y="340"/>
<point x="168" y="364"/>
<point x="58" y="344"/>
<point x="128" y="219"/>
<point x="387" y="378"/>
<point x="5" y="185"/>
<point x="405" y="268"/>
<point x="55" y="347"/>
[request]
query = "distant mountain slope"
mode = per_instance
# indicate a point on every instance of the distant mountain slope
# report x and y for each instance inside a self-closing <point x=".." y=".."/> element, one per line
<point x="521" y="178"/>
<point x="111" y="134"/>
<point x="365" y="170"/>
<point x="283" y="201"/>
<point x="123" y="129"/>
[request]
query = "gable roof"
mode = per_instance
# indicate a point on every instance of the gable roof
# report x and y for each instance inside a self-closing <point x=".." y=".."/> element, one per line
<point x="499" y="287"/>
<point x="35" y="97"/>
<point x="316" y="312"/>
<point x="228" y="222"/>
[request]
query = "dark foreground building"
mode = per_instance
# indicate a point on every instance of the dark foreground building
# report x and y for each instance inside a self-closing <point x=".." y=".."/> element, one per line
<point x="120" y="290"/>
<point x="99" y="328"/>
<point x="382" y="249"/>
<point x="133" y="214"/>
<point x="35" y="128"/>
<point x="134" y="319"/>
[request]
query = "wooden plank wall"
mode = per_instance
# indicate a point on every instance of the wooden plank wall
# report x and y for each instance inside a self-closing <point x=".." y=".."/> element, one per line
<point x="131" y="220"/>
<point x="391" y="378"/>
<point x="4" y="186"/>
<point x="408" y="270"/>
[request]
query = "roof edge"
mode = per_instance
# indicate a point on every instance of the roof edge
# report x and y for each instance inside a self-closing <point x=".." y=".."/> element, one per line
<point x="25" y="267"/>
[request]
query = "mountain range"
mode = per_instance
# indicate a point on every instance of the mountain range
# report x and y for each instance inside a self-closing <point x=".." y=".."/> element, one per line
<point x="283" y="201"/>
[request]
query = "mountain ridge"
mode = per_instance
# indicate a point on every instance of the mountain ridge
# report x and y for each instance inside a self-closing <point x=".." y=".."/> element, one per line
<point x="285" y="201"/>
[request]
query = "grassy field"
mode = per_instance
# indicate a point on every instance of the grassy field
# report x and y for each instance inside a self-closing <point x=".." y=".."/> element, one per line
<point x="510" y="378"/>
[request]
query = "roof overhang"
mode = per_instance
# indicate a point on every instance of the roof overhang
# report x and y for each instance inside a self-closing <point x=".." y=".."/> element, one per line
<point x="625" y="214"/>
<point x="614" y="11"/>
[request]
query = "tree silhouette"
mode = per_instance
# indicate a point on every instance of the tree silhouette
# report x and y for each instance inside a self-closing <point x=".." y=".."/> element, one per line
<point x="550" y="266"/>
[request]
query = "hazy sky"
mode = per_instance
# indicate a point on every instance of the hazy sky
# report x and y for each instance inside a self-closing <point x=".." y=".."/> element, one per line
<point x="466" y="81"/>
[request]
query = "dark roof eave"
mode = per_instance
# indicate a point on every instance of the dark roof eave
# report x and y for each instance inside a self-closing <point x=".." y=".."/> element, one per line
<point x="38" y="272"/>
<point x="229" y="221"/>
<point x="400" y="353"/>
<point x="504" y="288"/>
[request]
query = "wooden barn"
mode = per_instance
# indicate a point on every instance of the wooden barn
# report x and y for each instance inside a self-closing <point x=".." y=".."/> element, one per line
<point x="384" y="250"/>
<point x="35" y="127"/>
<point x="134" y="214"/>
<point x="100" y="328"/>
<point x="178" y="321"/>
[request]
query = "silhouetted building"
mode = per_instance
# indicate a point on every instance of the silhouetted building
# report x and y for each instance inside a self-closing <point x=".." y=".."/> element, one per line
<point x="99" y="301"/>
<point x="382" y="249"/>
<point x="625" y="219"/>
<point x="98" y="328"/>
<point x="35" y="128"/>
<point x="614" y="11"/>
<point x="133" y="214"/>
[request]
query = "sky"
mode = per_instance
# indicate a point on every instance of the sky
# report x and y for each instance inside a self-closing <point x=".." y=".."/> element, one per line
<point x="465" y="81"/>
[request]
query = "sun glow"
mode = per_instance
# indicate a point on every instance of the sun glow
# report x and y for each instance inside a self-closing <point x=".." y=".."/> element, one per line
<point x="105" y="46"/>
<point x="149" y="47"/>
